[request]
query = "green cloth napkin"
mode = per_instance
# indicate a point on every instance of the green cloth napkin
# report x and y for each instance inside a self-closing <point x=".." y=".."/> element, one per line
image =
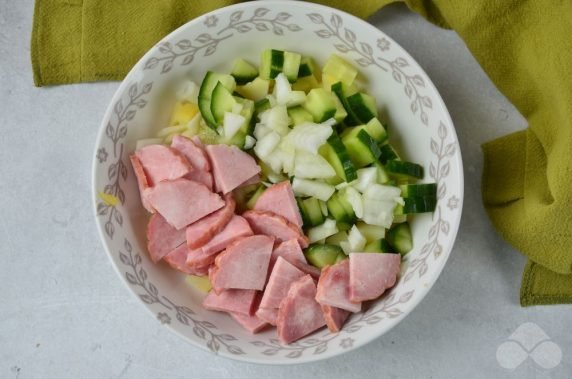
<point x="523" y="45"/>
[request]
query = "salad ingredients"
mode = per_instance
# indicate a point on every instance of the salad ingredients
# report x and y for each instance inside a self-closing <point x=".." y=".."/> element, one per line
<point x="264" y="162"/>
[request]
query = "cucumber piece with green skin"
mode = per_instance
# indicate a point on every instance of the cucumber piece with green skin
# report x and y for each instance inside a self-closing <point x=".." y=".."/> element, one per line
<point x="322" y="255"/>
<point x="272" y="62"/>
<point x="262" y="105"/>
<point x="340" y="69"/>
<point x="341" y="256"/>
<point x="255" y="90"/>
<point x="299" y="115"/>
<point x="205" y="93"/>
<point x="305" y="84"/>
<point x="340" y="90"/>
<point x="307" y="67"/>
<point x="243" y="72"/>
<point x="255" y="196"/>
<point x="362" y="149"/>
<point x="378" y="246"/>
<point x="337" y="238"/>
<point x="344" y="226"/>
<point x="388" y="153"/>
<point x="399" y="237"/>
<point x="334" y="151"/>
<point x="371" y="232"/>
<point x="305" y="219"/>
<point x="382" y="175"/>
<point x="312" y="210"/>
<point x="291" y="65"/>
<point x="276" y="61"/>
<point x="338" y="211"/>
<point x="341" y="113"/>
<point x="320" y="104"/>
<point x="376" y="130"/>
<point x="416" y="190"/>
<point x="221" y="101"/>
<point x="416" y="204"/>
<point x="363" y="106"/>
<point x="342" y="199"/>
<point x="242" y="195"/>
<point x="403" y="168"/>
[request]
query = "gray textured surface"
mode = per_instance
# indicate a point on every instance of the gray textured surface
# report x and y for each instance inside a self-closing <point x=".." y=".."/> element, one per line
<point x="65" y="314"/>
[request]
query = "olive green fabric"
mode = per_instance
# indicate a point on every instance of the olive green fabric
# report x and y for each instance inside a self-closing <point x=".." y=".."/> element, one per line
<point x="523" y="45"/>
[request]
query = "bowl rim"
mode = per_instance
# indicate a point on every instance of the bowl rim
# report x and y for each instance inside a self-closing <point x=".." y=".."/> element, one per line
<point x="423" y="289"/>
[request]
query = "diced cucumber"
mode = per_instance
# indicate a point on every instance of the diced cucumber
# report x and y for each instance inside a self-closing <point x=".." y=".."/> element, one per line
<point x="337" y="211"/>
<point x="323" y="207"/>
<point x="400" y="238"/>
<point x="271" y="64"/>
<point x="340" y="69"/>
<point x="403" y="168"/>
<point x="341" y="113"/>
<point x="341" y="256"/>
<point x="299" y="115"/>
<point x="362" y="149"/>
<point x="378" y="246"/>
<point x="415" y="190"/>
<point x="342" y="199"/>
<point x="387" y="153"/>
<point x="363" y="106"/>
<point x="343" y="226"/>
<point x="398" y="219"/>
<point x="242" y="194"/>
<point x="305" y="84"/>
<point x="311" y="208"/>
<point x="320" y="104"/>
<point x="291" y="65"/>
<point x="221" y="101"/>
<point x="307" y="67"/>
<point x="243" y="72"/>
<point x="262" y="105"/>
<point x="416" y="204"/>
<point x="255" y="90"/>
<point x="336" y="154"/>
<point x="321" y="256"/>
<point x="376" y="130"/>
<point x="313" y="188"/>
<point x="337" y="238"/>
<point x="255" y="196"/>
<point x="269" y="174"/>
<point x="305" y="219"/>
<point x="320" y="232"/>
<point x="371" y="232"/>
<point x="382" y="175"/>
<point x="276" y="61"/>
<point x="341" y="90"/>
<point x="354" y="198"/>
<point x="207" y="86"/>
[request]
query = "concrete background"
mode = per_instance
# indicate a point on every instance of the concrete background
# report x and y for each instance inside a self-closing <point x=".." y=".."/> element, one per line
<point x="65" y="314"/>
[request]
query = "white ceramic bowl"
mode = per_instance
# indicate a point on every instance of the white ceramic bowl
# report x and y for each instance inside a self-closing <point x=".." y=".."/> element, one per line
<point x="419" y="125"/>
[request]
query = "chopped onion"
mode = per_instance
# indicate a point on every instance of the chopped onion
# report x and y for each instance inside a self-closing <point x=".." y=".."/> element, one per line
<point x="232" y="124"/>
<point x="319" y="190"/>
